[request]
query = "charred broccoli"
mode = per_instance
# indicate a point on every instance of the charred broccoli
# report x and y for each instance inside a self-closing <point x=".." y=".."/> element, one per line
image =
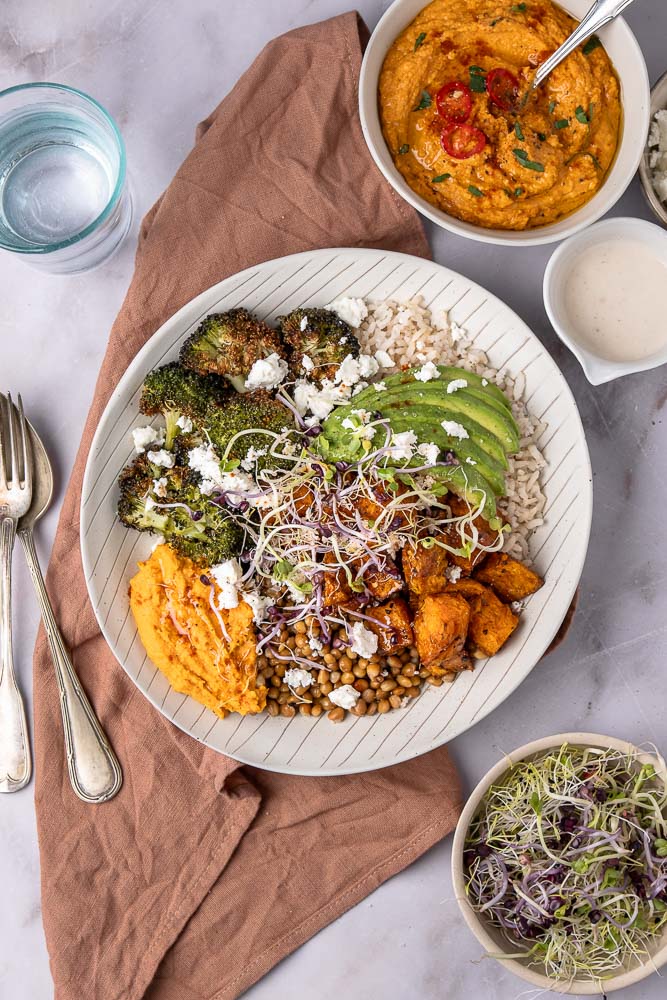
<point x="250" y="413"/>
<point x="191" y="523"/>
<point x="320" y="335"/>
<point x="177" y="392"/>
<point x="229" y="344"/>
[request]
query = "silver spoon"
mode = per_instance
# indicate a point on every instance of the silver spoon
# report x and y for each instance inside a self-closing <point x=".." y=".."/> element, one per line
<point x="601" y="13"/>
<point x="93" y="768"/>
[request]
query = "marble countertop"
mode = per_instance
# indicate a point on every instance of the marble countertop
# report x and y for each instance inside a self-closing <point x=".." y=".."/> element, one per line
<point x="160" y="68"/>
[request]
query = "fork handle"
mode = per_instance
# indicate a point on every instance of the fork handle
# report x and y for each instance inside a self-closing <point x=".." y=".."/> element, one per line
<point x="15" y="763"/>
<point x="93" y="767"/>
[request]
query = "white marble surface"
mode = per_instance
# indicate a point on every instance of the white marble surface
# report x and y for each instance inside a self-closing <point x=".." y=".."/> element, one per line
<point x="159" y="68"/>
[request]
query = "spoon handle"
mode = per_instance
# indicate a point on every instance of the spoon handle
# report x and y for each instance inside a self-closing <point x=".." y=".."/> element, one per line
<point x="600" y="14"/>
<point x="93" y="768"/>
<point x="15" y="763"/>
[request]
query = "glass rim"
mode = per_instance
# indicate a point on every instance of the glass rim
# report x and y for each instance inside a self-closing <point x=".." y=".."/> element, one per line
<point x="120" y="180"/>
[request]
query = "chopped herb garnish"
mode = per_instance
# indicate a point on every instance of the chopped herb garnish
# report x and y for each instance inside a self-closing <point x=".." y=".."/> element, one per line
<point x="518" y="8"/>
<point x="476" y="191"/>
<point x="591" y="45"/>
<point x="562" y="123"/>
<point x="541" y="136"/>
<point x="522" y="157"/>
<point x="424" y="101"/>
<point x="477" y="79"/>
<point x="419" y="40"/>
<point x="405" y="148"/>
<point x="439" y="178"/>
<point x="518" y="192"/>
<point x="495" y="21"/>
<point x="519" y="131"/>
<point x="581" y="115"/>
<point x="552" y="105"/>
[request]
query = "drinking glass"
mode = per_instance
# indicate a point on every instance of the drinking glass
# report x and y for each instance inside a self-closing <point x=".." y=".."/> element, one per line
<point x="65" y="204"/>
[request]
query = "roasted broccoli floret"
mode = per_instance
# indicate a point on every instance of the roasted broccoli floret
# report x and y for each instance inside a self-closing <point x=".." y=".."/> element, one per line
<point x="251" y="412"/>
<point x="322" y="337"/>
<point x="176" y="392"/>
<point x="190" y="522"/>
<point x="229" y="344"/>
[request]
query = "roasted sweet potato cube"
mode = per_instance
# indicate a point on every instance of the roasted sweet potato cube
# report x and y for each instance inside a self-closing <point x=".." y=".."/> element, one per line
<point x="441" y="626"/>
<point x="510" y="579"/>
<point x="424" y="569"/>
<point x="487" y="536"/>
<point x="383" y="581"/>
<point x="394" y="625"/>
<point x="491" y="621"/>
<point x="336" y="590"/>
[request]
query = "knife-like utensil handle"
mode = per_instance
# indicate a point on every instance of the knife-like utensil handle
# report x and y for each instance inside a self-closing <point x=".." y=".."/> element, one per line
<point x="15" y="762"/>
<point x="93" y="767"/>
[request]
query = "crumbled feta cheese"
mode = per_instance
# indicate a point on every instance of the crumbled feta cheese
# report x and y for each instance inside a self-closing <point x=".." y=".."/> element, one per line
<point x="363" y="642"/>
<point x="160" y="486"/>
<point x="380" y="386"/>
<point x="403" y="445"/>
<point x="430" y="452"/>
<point x="185" y="424"/>
<point x="267" y="373"/>
<point x="253" y="454"/>
<point x="343" y="340"/>
<point x="320" y="401"/>
<point x="453" y="573"/>
<point x="295" y="677"/>
<point x="315" y="644"/>
<point x="257" y="602"/>
<point x="163" y="458"/>
<point x="145" y="436"/>
<point x="359" y="387"/>
<point x="454" y="429"/>
<point x="485" y="381"/>
<point x="427" y="372"/>
<point x="304" y="323"/>
<point x="351" y="370"/>
<point x="206" y="462"/>
<point x="456" y="332"/>
<point x="456" y="384"/>
<point x="307" y="364"/>
<point x="227" y="575"/>
<point x="470" y="461"/>
<point x="351" y="311"/>
<point x="383" y="359"/>
<point x="345" y="696"/>
<point x="368" y="366"/>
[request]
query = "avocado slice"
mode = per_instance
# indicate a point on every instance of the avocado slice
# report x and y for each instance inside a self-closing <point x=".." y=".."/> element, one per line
<point x="466" y="483"/>
<point x="490" y="393"/>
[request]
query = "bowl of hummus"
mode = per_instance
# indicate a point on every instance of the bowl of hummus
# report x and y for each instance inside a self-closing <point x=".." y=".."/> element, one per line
<point x="449" y="117"/>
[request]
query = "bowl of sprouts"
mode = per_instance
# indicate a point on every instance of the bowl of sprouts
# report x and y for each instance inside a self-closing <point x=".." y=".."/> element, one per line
<point x="560" y="863"/>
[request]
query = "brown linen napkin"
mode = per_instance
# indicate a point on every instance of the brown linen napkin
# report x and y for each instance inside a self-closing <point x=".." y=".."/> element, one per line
<point x="201" y="874"/>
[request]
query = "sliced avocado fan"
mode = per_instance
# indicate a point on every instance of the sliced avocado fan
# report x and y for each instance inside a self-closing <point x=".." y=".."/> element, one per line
<point x="471" y="424"/>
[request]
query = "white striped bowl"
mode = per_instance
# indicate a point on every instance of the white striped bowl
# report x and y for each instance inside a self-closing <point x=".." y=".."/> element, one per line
<point x="301" y="745"/>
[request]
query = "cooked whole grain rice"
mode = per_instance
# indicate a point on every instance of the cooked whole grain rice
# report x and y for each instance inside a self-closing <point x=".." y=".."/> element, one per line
<point x="412" y="335"/>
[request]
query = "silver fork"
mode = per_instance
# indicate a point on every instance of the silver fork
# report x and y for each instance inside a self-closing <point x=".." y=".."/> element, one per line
<point x="15" y="494"/>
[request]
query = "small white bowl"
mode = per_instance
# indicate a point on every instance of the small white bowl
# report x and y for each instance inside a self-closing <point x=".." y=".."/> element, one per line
<point x="487" y="935"/>
<point x="596" y="369"/>
<point x="625" y="54"/>
<point x="658" y="103"/>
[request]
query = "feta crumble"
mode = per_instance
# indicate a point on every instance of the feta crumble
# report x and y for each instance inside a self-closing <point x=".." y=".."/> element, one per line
<point x="427" y="372"/>
<point x="351" y="311"/>
<point x="142" y="437"/>
<point x="383" y="359"/>
<point x="304" y="323"/>
<point x="315" y="644"/>
<point x="345" y="696"/>
<point x="453" y="573"/>
<point x="295" y="677"/>
<point x="248" y="463"/>
<point x="185" y="424"/>
<point x="430" y="451"/>
<point x="380" y="386"/>
<point x="454" y="429"/>
<point x="320" y="401"/>
<point x="403" y="445"/>
<point x="257" y="602"/>
<point x="456" y="384"/>
<point x="307" y="363"/>
<point x="351" y="370"/>
<point x="163" y="458"/>
<point x="363" y="642"/>
<point x="227" y="575"/>
<point x="267" y="373"/>
<point x="160" y="487"/>
<point x="470" y="461"/>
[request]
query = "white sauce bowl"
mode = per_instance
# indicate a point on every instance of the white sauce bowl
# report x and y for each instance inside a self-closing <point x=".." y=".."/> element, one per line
<point x="559" y="269"/>
<point x="625" y="54"/>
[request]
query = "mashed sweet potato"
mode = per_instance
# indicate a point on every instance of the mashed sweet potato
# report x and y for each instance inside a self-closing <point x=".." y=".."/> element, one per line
<point x="182" y="635"/>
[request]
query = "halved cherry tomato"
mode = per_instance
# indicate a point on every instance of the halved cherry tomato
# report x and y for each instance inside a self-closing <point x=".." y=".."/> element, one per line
<point x="462" y="141"/>
<point x="454" y="102"/>
<point x="503" y="88"/>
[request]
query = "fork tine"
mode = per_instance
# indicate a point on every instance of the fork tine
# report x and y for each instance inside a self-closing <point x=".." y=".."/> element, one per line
<point x="13" y="473"/>
<point x="25" y="447"/>
<point x="3" y="476"/>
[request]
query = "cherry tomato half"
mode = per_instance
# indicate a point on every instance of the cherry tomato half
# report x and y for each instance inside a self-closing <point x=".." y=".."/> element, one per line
<point x="462" y="141"/>
<point x="454" y="102"/>
<point x="503" y="88"/>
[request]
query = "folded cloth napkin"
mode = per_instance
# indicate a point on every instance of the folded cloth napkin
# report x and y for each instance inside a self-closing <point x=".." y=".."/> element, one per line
<point x="202" y="874"/>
